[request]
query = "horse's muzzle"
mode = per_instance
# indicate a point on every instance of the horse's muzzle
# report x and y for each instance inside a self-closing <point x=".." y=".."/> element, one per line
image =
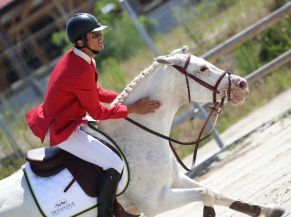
<point x="238" y="91"/>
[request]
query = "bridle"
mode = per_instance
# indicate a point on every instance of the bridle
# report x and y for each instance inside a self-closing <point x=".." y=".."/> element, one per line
<point x="216" y="109"/>
<point x="214" y="88"/>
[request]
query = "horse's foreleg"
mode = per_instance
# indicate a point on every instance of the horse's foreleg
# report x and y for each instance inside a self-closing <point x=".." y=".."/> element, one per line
<point x="184" y="181"/>
<point x="177" y="197"/>
<point x="256" y="210"/>
<point x="219" y="199"/>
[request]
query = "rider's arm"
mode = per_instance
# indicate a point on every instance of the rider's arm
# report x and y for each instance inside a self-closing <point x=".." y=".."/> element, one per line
<point x="106" y="96"/>
<point x="86" y="92"/>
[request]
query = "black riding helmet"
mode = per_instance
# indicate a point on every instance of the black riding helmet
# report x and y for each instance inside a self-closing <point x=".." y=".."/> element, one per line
<point x="80" y="24"/>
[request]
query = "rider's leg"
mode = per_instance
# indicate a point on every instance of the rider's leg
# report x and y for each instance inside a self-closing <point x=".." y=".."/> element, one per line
<point x="86" y="147"/>
<point x="107" y="190"/>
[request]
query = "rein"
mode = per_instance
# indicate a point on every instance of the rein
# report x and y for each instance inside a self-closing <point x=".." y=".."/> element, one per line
<point x="216" y="108"/>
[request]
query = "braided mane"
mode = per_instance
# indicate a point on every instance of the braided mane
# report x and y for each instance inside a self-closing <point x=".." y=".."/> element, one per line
<point x="124" y="94"/>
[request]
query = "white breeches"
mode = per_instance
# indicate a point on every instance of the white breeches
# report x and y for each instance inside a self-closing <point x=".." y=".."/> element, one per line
<point x="83" y="145"/>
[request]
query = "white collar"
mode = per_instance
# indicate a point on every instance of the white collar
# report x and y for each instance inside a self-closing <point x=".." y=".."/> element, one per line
<point x="83" y="55"/>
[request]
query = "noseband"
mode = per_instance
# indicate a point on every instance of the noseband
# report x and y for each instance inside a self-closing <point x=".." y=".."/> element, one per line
<point x="216" y="108"/>
<point x="214" y="88"/>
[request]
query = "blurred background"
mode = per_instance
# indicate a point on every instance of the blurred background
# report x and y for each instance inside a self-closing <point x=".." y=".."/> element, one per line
<point x="33" y="38"/>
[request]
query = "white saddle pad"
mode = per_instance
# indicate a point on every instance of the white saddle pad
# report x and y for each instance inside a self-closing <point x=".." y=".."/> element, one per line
<point x="50" y="197"/>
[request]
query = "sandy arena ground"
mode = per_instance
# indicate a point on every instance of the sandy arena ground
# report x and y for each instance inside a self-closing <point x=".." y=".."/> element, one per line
<point x="258" y="168"/>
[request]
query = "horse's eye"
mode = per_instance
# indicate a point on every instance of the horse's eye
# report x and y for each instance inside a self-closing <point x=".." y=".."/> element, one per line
<point x="203" y="69"/>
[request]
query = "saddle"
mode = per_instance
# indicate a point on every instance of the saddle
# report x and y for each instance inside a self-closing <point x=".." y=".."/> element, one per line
<point x="46" y="162"/>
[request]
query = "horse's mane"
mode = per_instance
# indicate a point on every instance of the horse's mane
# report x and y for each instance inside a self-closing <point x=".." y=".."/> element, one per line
<point x="124" y="94"/>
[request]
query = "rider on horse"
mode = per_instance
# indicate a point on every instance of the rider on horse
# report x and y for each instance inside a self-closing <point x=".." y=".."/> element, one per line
<point x="71" y="94"/>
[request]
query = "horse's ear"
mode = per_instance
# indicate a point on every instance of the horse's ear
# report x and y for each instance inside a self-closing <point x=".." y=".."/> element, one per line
<point x="185" y="49"/>
<point x="168" y="60"/>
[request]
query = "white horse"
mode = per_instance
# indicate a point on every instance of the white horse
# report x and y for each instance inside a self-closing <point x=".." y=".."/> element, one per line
<point x="156" y="184"/>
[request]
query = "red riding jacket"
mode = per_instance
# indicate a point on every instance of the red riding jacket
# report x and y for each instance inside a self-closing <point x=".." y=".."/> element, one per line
<point x="71" y="93"/>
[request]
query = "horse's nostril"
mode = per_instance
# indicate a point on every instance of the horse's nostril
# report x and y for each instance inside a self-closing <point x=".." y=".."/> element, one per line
<point x="242" y="84"/>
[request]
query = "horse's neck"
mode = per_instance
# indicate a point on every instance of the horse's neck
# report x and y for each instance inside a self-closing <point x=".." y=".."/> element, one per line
<point x="161" y="84"/>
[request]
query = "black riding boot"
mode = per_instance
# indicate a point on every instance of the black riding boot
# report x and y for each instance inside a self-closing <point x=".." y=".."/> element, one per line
<point x="107" y="191"/>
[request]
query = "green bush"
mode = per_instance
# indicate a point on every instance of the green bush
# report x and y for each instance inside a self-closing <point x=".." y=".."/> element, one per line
<point x="221" y="5"/>
<point x="11" y="168"/>
<point x="275" y="41"/>
<point x="114" y="78"/>
<point x="121" y="39"/>
<point x="60" y="39"/>
<point x="279" y="3"/>
<point x="247" y="58"/>
<point x="267" y="46"/>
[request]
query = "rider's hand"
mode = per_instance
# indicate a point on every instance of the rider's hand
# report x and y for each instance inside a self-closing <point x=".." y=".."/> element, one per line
<point x="143" y="106"/>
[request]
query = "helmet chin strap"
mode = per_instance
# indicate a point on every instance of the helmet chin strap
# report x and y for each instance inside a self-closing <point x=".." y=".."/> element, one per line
<point x="94" y="51"/>
<point x="87" y="46"/>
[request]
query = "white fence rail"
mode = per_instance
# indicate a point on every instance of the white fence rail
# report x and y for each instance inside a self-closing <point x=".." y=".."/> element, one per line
<point x="249" y="32"/>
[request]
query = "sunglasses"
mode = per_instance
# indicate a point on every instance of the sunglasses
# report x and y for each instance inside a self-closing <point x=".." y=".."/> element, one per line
<point x="96" y="34"/>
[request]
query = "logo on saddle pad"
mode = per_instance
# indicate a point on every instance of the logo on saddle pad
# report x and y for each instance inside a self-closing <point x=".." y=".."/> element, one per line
<point x="61" y="206"/>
